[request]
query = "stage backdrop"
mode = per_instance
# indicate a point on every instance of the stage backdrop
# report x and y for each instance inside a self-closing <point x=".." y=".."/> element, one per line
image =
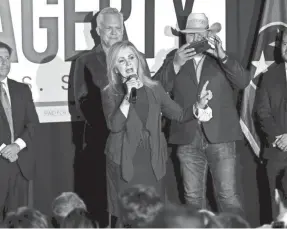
<point x="46" y="34"/>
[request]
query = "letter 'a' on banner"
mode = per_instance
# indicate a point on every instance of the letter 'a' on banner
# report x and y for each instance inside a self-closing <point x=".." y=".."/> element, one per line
<point x="273" y="21"/>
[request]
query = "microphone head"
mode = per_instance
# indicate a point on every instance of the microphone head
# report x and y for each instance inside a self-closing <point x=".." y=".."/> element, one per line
<point x="132" y="76"/>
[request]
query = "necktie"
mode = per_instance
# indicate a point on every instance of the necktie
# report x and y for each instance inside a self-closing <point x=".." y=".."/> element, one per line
<point x="7" y="108"/>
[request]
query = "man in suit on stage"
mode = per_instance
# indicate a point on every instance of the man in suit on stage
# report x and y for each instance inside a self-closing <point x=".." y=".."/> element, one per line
<point x="271" y="111"/>
<point x="209" y="140"/>
<point x="18" y="119"/>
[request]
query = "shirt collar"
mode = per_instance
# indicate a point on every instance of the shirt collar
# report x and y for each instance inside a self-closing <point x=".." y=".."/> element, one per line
<point x="5" y="82"/>
<point x="199" y="59"/>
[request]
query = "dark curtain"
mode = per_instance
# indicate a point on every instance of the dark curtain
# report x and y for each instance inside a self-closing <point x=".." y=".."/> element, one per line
<point x="55" y="149"/>
<point x="54" y="163"/>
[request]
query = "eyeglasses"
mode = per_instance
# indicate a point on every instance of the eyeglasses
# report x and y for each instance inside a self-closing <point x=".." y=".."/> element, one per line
<point x="4" y="59"/>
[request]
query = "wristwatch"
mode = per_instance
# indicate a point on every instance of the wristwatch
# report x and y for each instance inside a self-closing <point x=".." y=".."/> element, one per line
<point x="127" y="98"/>
<point x="224" y="58"/>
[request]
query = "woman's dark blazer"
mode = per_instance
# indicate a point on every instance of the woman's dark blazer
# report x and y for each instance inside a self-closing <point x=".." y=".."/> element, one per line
<point x="125" y="133"/>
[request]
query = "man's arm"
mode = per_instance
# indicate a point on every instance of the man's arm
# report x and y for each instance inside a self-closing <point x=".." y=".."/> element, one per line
<point x="172" y="65"/>
<point x="238" y="76"/>
<point x="166" y="74"/>
<point x="87" y="95"/>
<point x="235" y="73"/>
<point x="31" y="119"/>
<point x="115" y="116"/>
<point x="265" y="116"/>
<point x="80" y="87"/>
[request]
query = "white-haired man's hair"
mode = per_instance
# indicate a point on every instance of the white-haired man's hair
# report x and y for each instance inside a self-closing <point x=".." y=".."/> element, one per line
<point x="65" y="203"/>
<point x="108" y="10"/>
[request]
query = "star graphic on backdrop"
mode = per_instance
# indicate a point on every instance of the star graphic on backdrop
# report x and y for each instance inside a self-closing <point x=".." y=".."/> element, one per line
<point x="261" y="65"/>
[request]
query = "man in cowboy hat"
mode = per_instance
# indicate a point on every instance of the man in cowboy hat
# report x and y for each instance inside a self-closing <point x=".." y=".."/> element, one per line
<point x="208" y="140"/>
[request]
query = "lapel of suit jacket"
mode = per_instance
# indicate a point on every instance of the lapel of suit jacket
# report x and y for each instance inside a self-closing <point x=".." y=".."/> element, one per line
<point x="3" y="115"/>
<point x="149" y="97"/>
<point x="152" y="106"/>
<point x="282" y="81"/>
<point x="101" y="56"/>
<point x="14" y="101"/>
<point x="207" y="71"/>
<point x="189" y="70"/>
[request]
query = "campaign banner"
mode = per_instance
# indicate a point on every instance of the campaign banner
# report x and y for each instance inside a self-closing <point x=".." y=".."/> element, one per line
<point x="47" y="35"/>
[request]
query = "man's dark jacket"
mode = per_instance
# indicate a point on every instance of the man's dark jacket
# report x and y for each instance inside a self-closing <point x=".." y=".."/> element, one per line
<point x="25" y="120"/>
<point x="223" y="79"/>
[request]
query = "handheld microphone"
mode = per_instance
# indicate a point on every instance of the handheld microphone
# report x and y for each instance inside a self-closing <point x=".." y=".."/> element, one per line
<point x="133" y="95"/>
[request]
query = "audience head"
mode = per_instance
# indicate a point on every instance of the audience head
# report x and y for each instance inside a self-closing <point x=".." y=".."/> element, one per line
<point x="64" y="204"/>
<point x="280" y="197"/>
<point x="110" y="26"/>
<point x="231" y="220"/>
<point x="209" y="219"/>
<point x="5" y="64"/>
<point x="77" y="218"/>
<point x="281" y="202"/>
<point x="139" y="206"/>
<point x="174" y="216"/>
<point x="284" y="45"/>
<point x="26" y="217"/>
<point x="124" y="60"/>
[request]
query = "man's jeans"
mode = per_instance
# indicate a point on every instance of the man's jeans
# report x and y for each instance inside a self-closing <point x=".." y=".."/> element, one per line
<point x="195" y="158"/>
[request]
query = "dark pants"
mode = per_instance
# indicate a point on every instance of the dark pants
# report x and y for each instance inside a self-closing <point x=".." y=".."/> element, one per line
<point x="13" y="188"/>
<point x="276" y="172"/>
<point x="195" y="159"/>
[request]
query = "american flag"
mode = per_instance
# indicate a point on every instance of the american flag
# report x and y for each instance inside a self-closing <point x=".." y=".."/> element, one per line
<point x="273" y="21"/>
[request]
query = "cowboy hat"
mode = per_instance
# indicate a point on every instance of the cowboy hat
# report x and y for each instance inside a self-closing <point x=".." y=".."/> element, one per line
<point x="198" y="22"/>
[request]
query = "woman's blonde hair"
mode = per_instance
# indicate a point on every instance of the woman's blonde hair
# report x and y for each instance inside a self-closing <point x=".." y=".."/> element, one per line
<point x="114" y="77"/>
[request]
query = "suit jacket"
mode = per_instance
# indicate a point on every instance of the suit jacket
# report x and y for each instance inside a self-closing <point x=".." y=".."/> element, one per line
<point x="223" y="79"/>
<point x="271" y="107"/>
<point x="89" y="78"/>
<point x="125" y="133"/>
<point x="25" y="120"/>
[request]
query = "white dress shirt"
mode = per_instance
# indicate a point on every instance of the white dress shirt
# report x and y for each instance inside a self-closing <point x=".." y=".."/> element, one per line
<point x="19" y="141"/>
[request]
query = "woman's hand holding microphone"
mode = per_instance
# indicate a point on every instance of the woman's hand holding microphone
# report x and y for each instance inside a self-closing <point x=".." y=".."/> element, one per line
<point x="132" y="82"/>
